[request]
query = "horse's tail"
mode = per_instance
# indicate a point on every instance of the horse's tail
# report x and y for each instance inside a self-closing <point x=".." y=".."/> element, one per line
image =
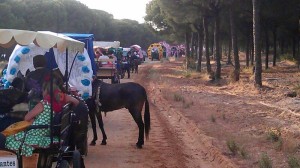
<point x="147" y="118"/>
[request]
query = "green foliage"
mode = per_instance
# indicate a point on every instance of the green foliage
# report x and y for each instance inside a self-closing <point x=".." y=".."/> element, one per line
<point x="243" y="153"/>
<point x="265" y="161"/>
<point x="279" y="144"/>
<point x="293" y="162"/>
<point x="187" y="105"/>
<point x="74" y="17"/>
<point x="178" y="97"/>
<point x="187" y="74"/>
<point x="288" y="57"/>
<point x="232" y="146"/>
<point x="273" y="135"/>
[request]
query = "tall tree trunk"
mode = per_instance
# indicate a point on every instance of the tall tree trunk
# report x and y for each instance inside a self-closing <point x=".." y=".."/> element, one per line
<point x="212" y="48"/>
<point x="247" y="51"/>
<point x="256" y="36"/>
<point x="294" y="47"/>
<point x="217" y="46"/>
<point x="206" y="43"/>
<point x="234" y="47"/>
<point x="200" y="48"/>
<point x="252" y="49"/>
<point x="192" y="45"/>
<point x="274" y="46"/>
<point x="282" y="46"/>
<point x="196" y="45"/>
<point x="298" y="46"/>
<point x="229" y="62"/>
<point x="187" y="46"/>
<point x="267" y="49"/>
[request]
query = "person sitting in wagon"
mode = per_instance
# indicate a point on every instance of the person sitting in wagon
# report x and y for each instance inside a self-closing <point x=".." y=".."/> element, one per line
<point x="39" y="115"/>
<point x="102" y="62"/>
<point x="98" y="53"/>
<point x="34" y="80"/>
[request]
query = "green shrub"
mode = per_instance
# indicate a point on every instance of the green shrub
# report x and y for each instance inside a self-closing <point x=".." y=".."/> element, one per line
<point x="187" y="105"/>
<point x="265" y="161"/>
<point x="279" y="144"/>
<point x="286" y="57"/>
<point x="243" y="153"/>
<point x="187" y="74"/>
<point x="178" y="98"/>
<point x="293" y="162"/>
<point x="273" y="135"/>
<point x="232" y="146"/>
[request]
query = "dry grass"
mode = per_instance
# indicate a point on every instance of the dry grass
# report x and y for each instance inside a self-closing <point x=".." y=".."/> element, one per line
<point x="265" y="161"/>
<point x="293" y="162"/>
<point x="232" y="146"/>
<point x="290" y="145"/>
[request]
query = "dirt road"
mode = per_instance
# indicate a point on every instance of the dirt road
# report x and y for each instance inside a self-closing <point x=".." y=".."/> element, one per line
<point x="175" y="141"/>
<point x="161" y="150"/>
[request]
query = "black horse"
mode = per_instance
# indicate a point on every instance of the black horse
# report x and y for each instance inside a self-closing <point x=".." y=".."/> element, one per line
<point x="9" y="100"/>
<point x="109" y="97"/>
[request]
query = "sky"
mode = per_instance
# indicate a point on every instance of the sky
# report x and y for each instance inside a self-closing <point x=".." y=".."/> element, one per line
<point x="120" y="9"/>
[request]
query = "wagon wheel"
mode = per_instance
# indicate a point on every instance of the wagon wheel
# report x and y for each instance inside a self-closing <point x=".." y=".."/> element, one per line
<point x="76" y="159"/>
<point x="45" y="160"/>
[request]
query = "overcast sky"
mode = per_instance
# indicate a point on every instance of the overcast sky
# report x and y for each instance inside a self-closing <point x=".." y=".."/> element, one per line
<point x="121" y="9"/>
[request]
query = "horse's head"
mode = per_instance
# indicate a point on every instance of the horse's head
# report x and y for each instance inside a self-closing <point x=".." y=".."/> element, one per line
<point x="18" y="83"/>
<point x="10" y="97"/>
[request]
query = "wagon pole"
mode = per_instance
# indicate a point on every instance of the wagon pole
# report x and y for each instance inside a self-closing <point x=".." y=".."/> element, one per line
<point x="72" y="66"/>
<point x="66" y="71"/>
<point x="51" y="107"/>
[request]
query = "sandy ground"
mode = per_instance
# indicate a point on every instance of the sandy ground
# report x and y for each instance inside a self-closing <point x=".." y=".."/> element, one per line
<point x="194" y="121"/>
<point x="174" y="141"/>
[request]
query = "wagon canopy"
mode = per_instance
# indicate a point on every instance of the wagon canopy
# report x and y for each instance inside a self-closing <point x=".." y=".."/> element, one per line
<point x="107" y="44"/>
<point x="44" y="39"/>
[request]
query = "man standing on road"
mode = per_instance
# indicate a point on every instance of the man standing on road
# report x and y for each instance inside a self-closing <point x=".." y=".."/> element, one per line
<point x="126" y="66"/>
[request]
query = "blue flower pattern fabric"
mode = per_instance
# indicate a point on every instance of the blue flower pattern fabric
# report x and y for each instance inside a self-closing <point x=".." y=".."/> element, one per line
<point x="82" y="79"/>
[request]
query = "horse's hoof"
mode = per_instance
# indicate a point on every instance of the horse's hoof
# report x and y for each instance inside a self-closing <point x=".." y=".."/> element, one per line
<point x="92" y="143"/>
<point x="103" y="143"/>
<point x="139" y="146"/>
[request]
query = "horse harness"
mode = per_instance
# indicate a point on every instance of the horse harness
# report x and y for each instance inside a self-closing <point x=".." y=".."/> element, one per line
<point x="97" y="100"/>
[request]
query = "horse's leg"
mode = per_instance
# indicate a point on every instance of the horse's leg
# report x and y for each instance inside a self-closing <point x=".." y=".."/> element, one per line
<point x="101" y="125"/>
<point x="137" y="68"/>
<point x="93" y="122"/>
<point x="92" y="112"/>
<point x="132" y="68"/>
<point x="137" y="116"/>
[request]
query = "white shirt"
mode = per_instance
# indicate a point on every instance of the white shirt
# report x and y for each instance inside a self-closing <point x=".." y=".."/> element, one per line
<point x="104" y="57"/>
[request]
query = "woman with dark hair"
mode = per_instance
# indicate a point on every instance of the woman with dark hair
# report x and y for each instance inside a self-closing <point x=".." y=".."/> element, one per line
<point x="39" y="115"/>
<point x="34" y="80"/>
